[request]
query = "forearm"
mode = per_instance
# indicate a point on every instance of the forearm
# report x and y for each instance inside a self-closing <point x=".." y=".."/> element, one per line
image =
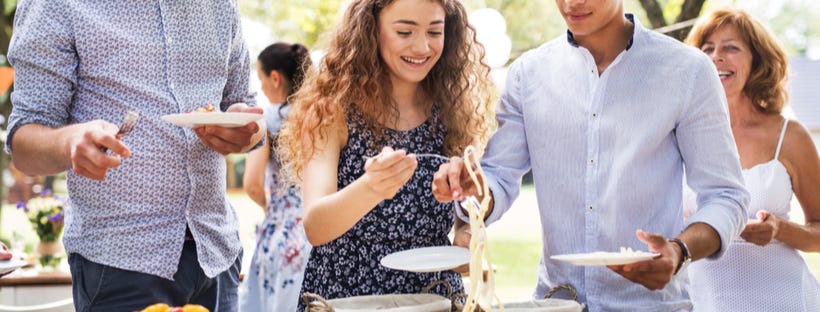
<point x="801" y="237"/>
<point x="333" y="215"/>
<point x="257" y="194"/>
<point x="702" y="240"/>
<point x="41" y="150"/>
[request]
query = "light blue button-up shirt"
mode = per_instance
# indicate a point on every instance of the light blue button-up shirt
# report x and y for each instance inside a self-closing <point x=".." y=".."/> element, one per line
<point x="608" y="153"/>
<point x="78" y="61"/>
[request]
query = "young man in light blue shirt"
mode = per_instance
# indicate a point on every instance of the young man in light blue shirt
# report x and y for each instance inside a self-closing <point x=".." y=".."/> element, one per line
<point x="608" y="117"/>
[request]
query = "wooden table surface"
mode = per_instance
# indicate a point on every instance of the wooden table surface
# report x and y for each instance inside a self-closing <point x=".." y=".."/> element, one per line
<point x="33" y="277"/>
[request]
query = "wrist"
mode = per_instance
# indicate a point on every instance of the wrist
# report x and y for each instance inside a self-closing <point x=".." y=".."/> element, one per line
<point x="684" y="255"/>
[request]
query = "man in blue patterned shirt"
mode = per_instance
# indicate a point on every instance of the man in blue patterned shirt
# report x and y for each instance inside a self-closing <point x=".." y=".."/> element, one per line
<point x="148" y="221"/>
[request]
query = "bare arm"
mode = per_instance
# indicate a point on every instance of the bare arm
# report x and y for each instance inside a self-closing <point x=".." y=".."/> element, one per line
<point x="799" y="155"/>
<point x="330" y="212"/>
<point x="254" y="178"/>
<point x="40" y="150"/>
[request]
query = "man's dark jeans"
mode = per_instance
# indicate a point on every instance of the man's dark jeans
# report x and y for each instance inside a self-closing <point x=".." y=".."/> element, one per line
<point x="98" y="287"/>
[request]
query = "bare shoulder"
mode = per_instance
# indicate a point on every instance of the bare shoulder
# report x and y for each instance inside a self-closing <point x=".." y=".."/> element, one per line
<point x="798" y="150"/>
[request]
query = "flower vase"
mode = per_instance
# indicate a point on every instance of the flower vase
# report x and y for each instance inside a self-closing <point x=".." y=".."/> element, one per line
<point x="49" y="254"/>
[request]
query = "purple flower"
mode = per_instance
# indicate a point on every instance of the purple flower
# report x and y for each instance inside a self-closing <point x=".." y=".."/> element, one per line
<point x="57" y="217"/>
<point x="22" y="205"/>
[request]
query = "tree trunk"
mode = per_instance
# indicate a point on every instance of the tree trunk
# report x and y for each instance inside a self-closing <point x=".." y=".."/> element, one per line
<point x="654" y="13"/>
<point x="690" y="10"/>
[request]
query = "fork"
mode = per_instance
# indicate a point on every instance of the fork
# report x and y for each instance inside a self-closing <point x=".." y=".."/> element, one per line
<point x="422" y="155"/>
<point x="127" y="125"/>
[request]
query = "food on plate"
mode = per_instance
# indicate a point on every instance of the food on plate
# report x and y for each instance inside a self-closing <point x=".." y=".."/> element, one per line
<point x="161" y="307"/>
<point x="208" y="108"/>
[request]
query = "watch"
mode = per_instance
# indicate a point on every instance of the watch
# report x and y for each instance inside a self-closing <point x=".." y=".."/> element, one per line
<point x="685" y="256"/>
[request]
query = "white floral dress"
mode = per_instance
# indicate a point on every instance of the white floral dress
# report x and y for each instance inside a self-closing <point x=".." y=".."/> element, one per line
<point x="275" y="276"/>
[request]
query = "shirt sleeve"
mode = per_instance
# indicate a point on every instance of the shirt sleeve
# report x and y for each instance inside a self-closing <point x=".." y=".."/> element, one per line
<point x="237" y="87"/>
<point x="45" y="62"/>
<point x="710" y="157"/>
<point x="506" y="159"/>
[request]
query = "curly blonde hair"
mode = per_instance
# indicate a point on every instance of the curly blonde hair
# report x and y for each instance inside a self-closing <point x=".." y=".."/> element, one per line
<point x="352" y="75"/>
<point x="766" y="85"/>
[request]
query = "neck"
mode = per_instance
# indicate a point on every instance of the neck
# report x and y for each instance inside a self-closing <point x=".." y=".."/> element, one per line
<point x="409" y="99"/>
<point x="406" y="95"/>
<point x="741" y="110"/>
<point x="608" y="42"/>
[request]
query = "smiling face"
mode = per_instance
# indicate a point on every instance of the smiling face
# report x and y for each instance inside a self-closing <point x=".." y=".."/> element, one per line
<point x="732" y="57"/>
<point x="588" y="17"/>
<point x="411" y="38"/>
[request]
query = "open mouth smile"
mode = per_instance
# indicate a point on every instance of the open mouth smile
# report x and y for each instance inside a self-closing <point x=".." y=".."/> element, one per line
<point x="415" y="60"/>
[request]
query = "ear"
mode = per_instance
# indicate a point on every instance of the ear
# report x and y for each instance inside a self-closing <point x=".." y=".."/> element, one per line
<point x="275" y="79"/>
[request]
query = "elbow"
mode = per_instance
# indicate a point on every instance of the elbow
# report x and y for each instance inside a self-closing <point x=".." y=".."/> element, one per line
<point x="253" y="191"/>
<point x="315" y="234"/>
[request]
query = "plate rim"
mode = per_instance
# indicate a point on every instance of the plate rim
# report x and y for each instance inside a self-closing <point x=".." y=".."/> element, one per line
<point x="402" y="253"/>
<point x="625" y="259"/>
<point x="7" y="266"/>
<point x="170" y="118"/>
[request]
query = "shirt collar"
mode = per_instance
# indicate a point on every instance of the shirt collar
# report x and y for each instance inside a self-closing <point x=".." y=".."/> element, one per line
<point x="629" y="16"/>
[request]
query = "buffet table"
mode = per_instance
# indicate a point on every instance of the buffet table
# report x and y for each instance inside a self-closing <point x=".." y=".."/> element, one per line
<point x="30" y="287"/>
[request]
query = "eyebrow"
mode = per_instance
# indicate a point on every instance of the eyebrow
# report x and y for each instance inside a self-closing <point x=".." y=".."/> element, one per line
<point x="722" y="41"/>
<point x="414" y="23"/>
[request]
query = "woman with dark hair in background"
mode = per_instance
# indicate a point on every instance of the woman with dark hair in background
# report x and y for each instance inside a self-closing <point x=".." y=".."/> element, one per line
<point x="762" y="271"/>
<point x="277" y="267"/>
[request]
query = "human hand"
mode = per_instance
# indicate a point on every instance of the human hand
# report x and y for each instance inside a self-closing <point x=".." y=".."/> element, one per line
<point x="88" y="143"/>
<point x="5" y="254"/>
<point x="461" y="238"/>
<point x="231" y="140"/>
<point x="452" y="181"/>
<point x="763" y="231"/>
<point x="656" y="273"/>
<point x="388" y="171"/>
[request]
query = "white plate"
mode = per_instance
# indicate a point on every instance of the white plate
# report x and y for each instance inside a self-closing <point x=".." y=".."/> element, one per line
<point x="196" y="119"/>
<point x="7" y="266"/>
<point x="427" y="259"/>
<point x="606" y="258"/>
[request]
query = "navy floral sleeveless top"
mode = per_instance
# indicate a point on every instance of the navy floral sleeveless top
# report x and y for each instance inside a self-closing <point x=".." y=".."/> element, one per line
<point x="349" y="265"/>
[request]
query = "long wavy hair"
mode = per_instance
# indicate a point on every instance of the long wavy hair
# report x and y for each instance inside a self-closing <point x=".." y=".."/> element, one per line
<point x="766" y="85"/>
<point x="352" y="75"/>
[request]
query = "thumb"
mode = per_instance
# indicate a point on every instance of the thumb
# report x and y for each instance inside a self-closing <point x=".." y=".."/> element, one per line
<point x="652" y="240"/>
<point x="762" y="215"/>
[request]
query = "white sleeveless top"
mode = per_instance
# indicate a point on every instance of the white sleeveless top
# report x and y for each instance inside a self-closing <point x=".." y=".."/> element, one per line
<point x="749" y="277"/>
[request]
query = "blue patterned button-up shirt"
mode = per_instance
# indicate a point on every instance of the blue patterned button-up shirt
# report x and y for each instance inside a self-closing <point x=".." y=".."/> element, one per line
<point x="607" y="153"/>
<point x="78" y="61"/>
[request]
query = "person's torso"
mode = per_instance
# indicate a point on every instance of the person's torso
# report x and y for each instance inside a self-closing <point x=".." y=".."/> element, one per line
<point x="155" y="58"/>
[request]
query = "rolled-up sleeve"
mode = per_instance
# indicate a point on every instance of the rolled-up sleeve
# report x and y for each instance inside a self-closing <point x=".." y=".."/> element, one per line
<point x="45" y="62"/>
<point x="711" y="159"/>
